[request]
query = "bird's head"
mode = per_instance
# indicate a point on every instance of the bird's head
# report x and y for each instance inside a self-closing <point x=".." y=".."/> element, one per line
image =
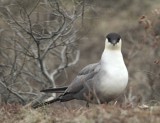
<point x="113" y="42"/>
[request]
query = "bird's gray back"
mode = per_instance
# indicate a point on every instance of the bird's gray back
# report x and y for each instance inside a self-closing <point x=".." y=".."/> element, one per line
<point x="86" y="74"/>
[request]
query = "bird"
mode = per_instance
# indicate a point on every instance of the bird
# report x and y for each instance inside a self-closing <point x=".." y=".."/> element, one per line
<point x="99" y="82"/>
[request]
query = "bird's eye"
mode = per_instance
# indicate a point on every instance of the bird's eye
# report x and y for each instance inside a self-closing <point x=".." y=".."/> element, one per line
<point x="109" y="39"/>
<point x="118" y="39"/>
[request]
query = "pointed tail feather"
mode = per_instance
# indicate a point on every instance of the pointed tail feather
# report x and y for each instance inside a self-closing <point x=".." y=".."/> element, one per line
<point x="54" y="90"/>
<point x="51" y="99"/>
<point x="38" y="104"/>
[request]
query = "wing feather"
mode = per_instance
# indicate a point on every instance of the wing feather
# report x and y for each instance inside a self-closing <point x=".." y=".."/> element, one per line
<point x="84" y="75"/>
<point x="89" y="69"/>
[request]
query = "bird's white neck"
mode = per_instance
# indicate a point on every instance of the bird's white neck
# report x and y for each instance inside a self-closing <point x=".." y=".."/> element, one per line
<point x="112" y="57"/>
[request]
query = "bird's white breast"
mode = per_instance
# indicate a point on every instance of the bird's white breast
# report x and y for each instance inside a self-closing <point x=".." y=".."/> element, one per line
<point x="113" y="74"/>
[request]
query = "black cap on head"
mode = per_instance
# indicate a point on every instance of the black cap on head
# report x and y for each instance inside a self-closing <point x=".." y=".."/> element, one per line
<point x="113" y="38"/>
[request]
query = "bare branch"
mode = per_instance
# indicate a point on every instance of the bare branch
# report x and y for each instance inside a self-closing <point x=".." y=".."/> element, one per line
<point x="12" y="91"/>
<point x="38" y="35"/>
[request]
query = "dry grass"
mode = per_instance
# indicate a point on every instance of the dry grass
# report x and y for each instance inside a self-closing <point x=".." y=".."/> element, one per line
<point x="78" y="114"/>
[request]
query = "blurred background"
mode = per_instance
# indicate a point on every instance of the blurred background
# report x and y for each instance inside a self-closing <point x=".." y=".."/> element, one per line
<point x="45" y="43"/>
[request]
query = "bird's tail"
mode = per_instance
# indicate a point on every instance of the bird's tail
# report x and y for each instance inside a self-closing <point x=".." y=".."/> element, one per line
<point x="54" y="90"/>
<point x="51" y="99"/>
<point x="46" y="102"/>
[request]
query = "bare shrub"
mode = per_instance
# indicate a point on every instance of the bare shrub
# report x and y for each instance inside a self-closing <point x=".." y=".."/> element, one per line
<point x="142" y="53"/>
<point x="38" y="45"/>
<point x="151" y="25"/>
